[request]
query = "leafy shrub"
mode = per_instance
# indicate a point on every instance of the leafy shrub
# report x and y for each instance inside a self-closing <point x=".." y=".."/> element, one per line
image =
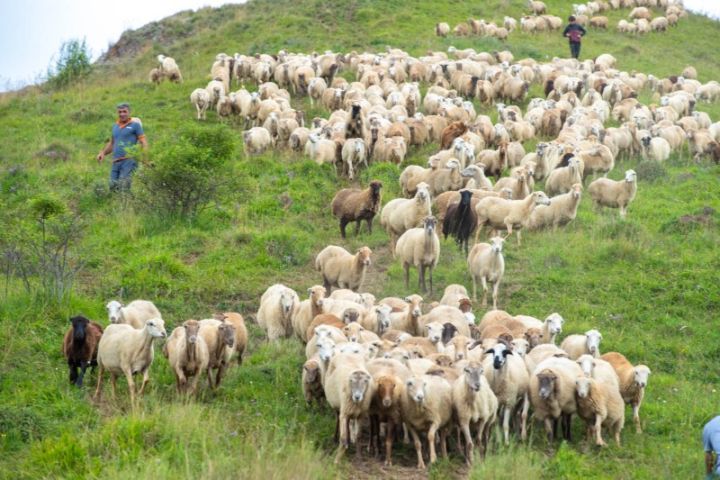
<point x="189" y="171"/>
<point x="73" y="64"/>
<point x="650" y="171"/>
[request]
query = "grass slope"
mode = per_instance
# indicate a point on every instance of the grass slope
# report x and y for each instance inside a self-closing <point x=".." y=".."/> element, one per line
<point x="649" y="283"/>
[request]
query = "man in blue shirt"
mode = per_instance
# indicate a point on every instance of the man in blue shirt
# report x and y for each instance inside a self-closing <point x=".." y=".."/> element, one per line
<point x="127" y="132"/>
<point x="711" y="444"/>
<point x="574" y="32"/>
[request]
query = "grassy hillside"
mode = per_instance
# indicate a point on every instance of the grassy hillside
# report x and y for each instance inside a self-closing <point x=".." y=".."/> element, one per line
<point x="648" y="283"/>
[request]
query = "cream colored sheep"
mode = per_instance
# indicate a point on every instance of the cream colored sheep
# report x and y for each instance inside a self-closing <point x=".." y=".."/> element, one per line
<point x="201" y="99"/>
<point x="405" y="313"/>
<point x="241" y="333"/>
<point x="170" y="69"/>
<point x="561" y="211"/>
<point x="134" y="313"/>
<point x="561" y="180"/>
<point x="188" y="356"/>
<point x="256" y="141"/>
<point x="277" y="306"/>
<point x="419" y="247"/>
<point x="500" y="213"/>
<point x="598" y="369"/>
<point x="321" y="150"/>
<point x="220" y="339"/>
<point x="124" y="350"/>
<point x="486" y="262"/>
<point x="307" y="310"/>
<point x="475" y="405"/>
<point x="442" y="29"/>
<point x="401" y="214"/>
<point x="577" y="345"/>
<point x="341" y="269"/>
<point x="552" y="392"/>
<point x="452" y="295"/>
<point x="542" y="352"/>
<point x="599" y="403"/>
<point x="610" y="193"/>
<point x="598" y="159"/>
<point x="633" y="381"/>
<point x="354" y="153"/>
<point x="444" y="314"/>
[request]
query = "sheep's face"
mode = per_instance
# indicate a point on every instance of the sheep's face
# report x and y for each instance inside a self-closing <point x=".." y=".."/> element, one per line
<point x="386" y="390"/>
<point x="434" y="331"/>
<point x="316" y="294"/>
<point x="351" y="347"/>
<point x="546" y="387"/>
<point x="287" y="302"/>
<point x="461" y="345"/>
<point x="496" y="245"/>
<point x="465" y="196"/>
<point x="630" y="176"/>
<point x="399" y="354"/>
<point x="364" y="256"/>
<point x="375" y="186"/>
<point x="326" y="348"/>
<point x="582" y="387"/>
<point x="448" y="332"/>
<point x="554" y="323"/>
<point x="520" y="347"/>
<point x="415" y="302"/>
<point x="646" y="140"/>
<point x="192" y="327"/>
<point x="541" y="198"/>
<point x="156" y="327"/>
<point x="430" y="223"/>
<point x="593" y="341"/>
<point x="587" y="364"/>
<point x="443" y="360"/>
<point x="416" y="389"/>
<point x="499" y="353"/>
<point x="312" y="369"/>
<point x="641" y="374"/>
<point x="473" y="376"/>
<point x="359" y="383"/>
<point x="114" y="309"/>
<point x="226" y="332"/>
<point x="533" y="337"/>
<point x="383" y="318"/>
<point x="79" y="324"/>
<point x="352" y="331"/>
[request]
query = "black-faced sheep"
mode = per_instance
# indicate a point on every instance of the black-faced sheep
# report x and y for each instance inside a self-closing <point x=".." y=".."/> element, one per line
<point x="80" y="346"/>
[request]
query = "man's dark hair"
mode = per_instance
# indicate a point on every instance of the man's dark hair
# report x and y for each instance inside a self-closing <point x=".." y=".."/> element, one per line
<point x="123" y="105"/>
<point x="571" y="18"/>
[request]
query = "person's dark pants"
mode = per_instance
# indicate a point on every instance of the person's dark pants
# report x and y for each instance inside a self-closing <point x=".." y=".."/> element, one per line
<point x="575" y="49"/>
<point x="121" y="173"/>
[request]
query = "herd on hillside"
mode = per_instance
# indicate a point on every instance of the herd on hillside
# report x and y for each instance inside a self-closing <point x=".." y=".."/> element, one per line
<point x="398" y="368"/>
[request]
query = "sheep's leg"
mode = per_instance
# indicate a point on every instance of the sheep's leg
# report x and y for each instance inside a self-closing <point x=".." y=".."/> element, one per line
<point x="506" y="424"/>
<point x="474" y="287"/>
<point x="389" y="433"/>
<point x="636" y="417"/>
<point x="468" y="443"/>
<point x="83" y="368"/>
<point x="369" y="224"/>
<point x="73" y="372"/>
<point x="567" y="426"/>
<point x="146" y="380"/>
<point x="194" y="383"/>
<point x="343" y="421"/>
<point x="357" y="431"/>
<point x="357" y="227"/>
<point x="617" y="427"/>
<point x="418" y="447"/>
<point x="496" y="285"/>
<point x="523" y="418"/>
<point x="209" y="377"/>
<point x="407" y="275"/>
<point x="549" y="429"/>
<point x="98" y="389"/>
<point x="598" y="431"/>
<point x="443" y="442"/>
<point x="483" y="280"/>
<point x="343" y="224"/>
<point x="421" y="278"/>
<point x="221" y="372"/>
<point x="431" y="442"/>
<point x="519" y="236"/>
<point x="131" y="386"/>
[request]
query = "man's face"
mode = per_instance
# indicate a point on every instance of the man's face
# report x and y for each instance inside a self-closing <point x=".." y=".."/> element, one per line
<point x="123" y="114"/>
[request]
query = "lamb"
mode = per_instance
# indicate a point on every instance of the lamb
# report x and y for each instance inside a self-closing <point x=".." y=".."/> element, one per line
<point x="341" y="269"/>
<point x="487" y="263"/>
<point x="220" y="339"/>
<point x="134" y="313"/>
<point x="349" y="389"/>
<point x="561" y="211"/>
<point x="508" y="377"/>
<point x="442" y="29"/>
<point x="351" y="204"/>
<point x="124" y="350"/>
<point x="202" y="100"/>
<point x="577" y="345"/>
<point x="401" y="214"/>
<point x="241" y="333"/>
<point x="277" y="306"/>
<point x="633" y="381"/>
<point x="256" y="140"/>
<point x="427" y="406"/>
<point x="599" y="403"/>
<point x="80" y="347"/>
<point x="419" y="247"/>
<point x="460" y="220"/>
<point x="562" y="179"/>
<point x="170" y="69"/>
<point x="552" y="392"/>
<point x="498" y="212"/>
<point x="474" y="404"/>
<point x="610" y="193"/>
<point x="188" y="355"/>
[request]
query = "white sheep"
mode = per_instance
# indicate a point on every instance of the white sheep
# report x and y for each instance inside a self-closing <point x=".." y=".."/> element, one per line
<point x="419" y="247"/>
<point x="169" y="68"/>
<point x="453" y="294"/>
<point x="187" y="354"/>
<point x="134" y="313"/>
<point x="609" y="193"/>
<point x="598" y="369"/>
<point x="442" y="29"/>
<point x="576" y="345"/>
<point x="339" y="268"/>
<point x="475" y="405"/>
<point x="633" y="380"/>
<point x="124" y="350"/>
<point x="277" y="306"/>
<point x="552" y="392"/>
<point x="486" y="262"/>
<point x="321" y="150"/>
<point x="499" y="213"/>
<point x="655" y="148"/>
<point x="400" y="214"/>
<point x="256" y="140"/>
<point x="561" y="211"/>
<point x="354" y="153"/>
<point x="202" y="100"/>
<point x="599" y="403"/>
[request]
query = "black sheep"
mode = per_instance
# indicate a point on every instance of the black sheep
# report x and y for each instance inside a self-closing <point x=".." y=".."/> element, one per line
<point x="461" y="220"/>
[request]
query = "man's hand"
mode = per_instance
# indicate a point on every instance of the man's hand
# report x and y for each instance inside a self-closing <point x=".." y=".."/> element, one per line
<point x="100" y="157"/>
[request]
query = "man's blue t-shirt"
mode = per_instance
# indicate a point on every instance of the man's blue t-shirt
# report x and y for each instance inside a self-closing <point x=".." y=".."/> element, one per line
<point x="711" y="440"/>
<point x="124" y="136"/>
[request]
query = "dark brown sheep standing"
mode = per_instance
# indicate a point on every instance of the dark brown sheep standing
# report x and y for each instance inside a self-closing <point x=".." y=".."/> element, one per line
<point x="355" y="205"/>
<point x="80" y="347"/>
<point x="461" y="220"/>
<point x="354" y="127"/>
<point x="451" y="132"/>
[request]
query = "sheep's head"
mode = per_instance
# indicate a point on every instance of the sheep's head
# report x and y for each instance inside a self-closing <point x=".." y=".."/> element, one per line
<point x="470" y="171"/>
<point x="416" y="387"/>
<point x="363" y="256"/>
<point x="114" y="309"/>
<point x="375" y="187"/>
<point x="533" y="336"/>
<point x="554" y="323"/>
<point x="465" y="197"/>
<point x="506" y="193"/>
<point x="350" y="315"/>
<point x="312" y="371"/>
<point x="429" y="225"/>
<point x="383" y="317"/>
<point x="546" y="381"/>
<point x="79" y="324"/>
<point x="287" y="301"/>
<point x="520" y="346"/>
<point x="434" y="331"/>
<point x="461" y="344"/>
<point x="359" y="382"/>
<point x="630" y="176"/>
<point x="325" y="346"/>
<point x="540" y="198"/>
<point x="499" y="353"/>
<point x="473" y="373"/>
<point x="414" y="301"/>
<point x="226" y="333"/>
<point x="582" y="386"/>
<point x="641" y="374"/>
<point x="156" y="327"/>
<point x="386" y="390"/>
<point x="353" y="331"/>
<point x="316" y="294"/>
<point x="496" y="245"/>
<point x="593" y="339"/>
<point x="192" y="327"/>
<point x="587" y="364"/>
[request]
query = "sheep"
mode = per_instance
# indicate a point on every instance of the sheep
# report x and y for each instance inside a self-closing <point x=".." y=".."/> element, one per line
<point x="220" y="339"/>
<point x="562" y="179"/>
<point x="541" y="352"/>
<point x="633" y="381"/>
<point x="442" y="29"/>
<point x="155" y="76"/>
<point x="124" y="350"/>
<point x="640" y="12"/>
<point x="341" y="269"/>
<point x="401" y="214"/>
<point x="552" y="392"/>
<point x="187" y="354"/>
<point x="351" y="204"/>
<point x="537" y="7"/>
<point x="508" y="377"/>
<point x="256" y="141"/>
<point x="349" y="389"/>
<point x="80" y="347"/>
<point x="561" y="211"/>
<point x="655" y="148"/>
<point x="487" y="263"/>
<point x="201" y="99"/>
<point x="609" y="193"/>
<point x="451" y="132"/>
<point x="599" y="22"/>
<point x="427" y="406"/>
<point x="331" y="320"/>
<point x="474" y="404"/>
<point x="460" y="220"/>
<point x="596" y="159"/>
<point x="170" y="69"/>
<point x="391" y="149"/>
<point x="577" y="345"/>
<point x="277" y="306"/>
<point x="312" y="376"/>
<point x="659" y="24"/>
<point x="498" y="212"/>
<point x="598" y="369"/>
<point x="321" y="150"/>
<point x="701" y="143"/>
<point x="453" y="294"/>
<point x="599" y="403"/>
<point x="461" y="319"/>
<point x="241" y="333"/>
<point x="134" y="313"/>
<point x="354" y="153"/>
<point x="419" y="247"/>
<point x="406" y="313"/>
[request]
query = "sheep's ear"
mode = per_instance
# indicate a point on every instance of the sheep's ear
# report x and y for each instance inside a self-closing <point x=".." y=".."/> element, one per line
<point x="507" y="352"/>
<point x="489" y="351"/>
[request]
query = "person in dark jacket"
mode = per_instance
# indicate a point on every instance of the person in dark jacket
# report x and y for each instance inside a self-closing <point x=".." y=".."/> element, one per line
<point x="574" y="32"/>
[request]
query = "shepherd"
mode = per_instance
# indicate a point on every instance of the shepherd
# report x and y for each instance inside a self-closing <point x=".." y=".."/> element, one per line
<point x="574" y="32"/>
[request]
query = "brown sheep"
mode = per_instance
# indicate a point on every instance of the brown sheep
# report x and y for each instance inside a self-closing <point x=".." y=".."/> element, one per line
<point x="450" y="133"/>
<point x="324" y="319"/>
<point x="355" y="205"/>
<point x="241" y="333"/>
<point x="80" y="347"/>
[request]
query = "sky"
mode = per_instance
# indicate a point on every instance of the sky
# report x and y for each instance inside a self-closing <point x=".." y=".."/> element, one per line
<point x="32" y="31"/>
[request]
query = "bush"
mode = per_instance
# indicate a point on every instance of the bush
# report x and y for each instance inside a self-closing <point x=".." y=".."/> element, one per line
<point x="650" y="171"/>
<point x="72" y="64"/>
<point x="189" y="171"/>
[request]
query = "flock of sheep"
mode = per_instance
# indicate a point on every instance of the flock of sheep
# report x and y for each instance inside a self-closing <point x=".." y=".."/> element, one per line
<point x="392" y="366"/>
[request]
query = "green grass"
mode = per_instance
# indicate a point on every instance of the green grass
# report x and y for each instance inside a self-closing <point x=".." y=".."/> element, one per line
<point x="648" y="283"/>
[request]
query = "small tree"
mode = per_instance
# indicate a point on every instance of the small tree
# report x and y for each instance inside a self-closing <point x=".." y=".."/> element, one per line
<point x="188" y="171"/>
<point x="72" y="64"/>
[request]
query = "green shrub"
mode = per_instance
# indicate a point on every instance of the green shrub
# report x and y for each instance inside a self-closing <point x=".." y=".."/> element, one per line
<point x="73" y="64"/>
<point x="650" y="171"/>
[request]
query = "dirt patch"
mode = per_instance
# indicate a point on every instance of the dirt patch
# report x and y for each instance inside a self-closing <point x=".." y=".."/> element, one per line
<point x="55" y="151"/>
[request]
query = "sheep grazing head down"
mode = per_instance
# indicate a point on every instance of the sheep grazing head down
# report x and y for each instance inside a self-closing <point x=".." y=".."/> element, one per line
<point x="359" y="384"/>
<point x="582" y="387"/>
<point x="191" y="330"/>
<point x="473" y="376"/>
<point x="593" y="341"/>
<point x="546" y="380"/>
<point x="156" y="327"/>
<point x="641" y="375"/>
<point x="312" y="369"/>
<point x="630" y="176"/>
<point x="499" y="353"/>
<point x="496" y="245"/>
<point x="364" y="256"/>
<point x="113" y="307"/>
<point x="416" y="389"/>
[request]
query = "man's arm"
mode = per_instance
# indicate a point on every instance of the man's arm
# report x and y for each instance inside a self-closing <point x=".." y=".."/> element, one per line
<point x="565" y="32"/>
<point x="582" y="30"/>
<point x="106" y="149"/>
<point x="709" y="463"/>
